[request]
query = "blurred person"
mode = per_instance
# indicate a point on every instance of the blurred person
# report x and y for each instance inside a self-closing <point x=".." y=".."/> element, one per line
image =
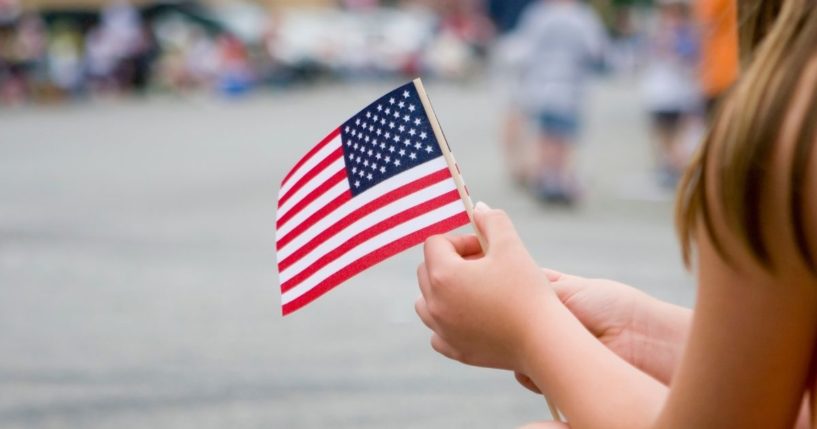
<point x="613" y="357"/>
<point x="561" y="42"/>
<point x="235" y="74"/>
<point x="670" y="87"/>
<point x="718" y="26"/>
<point x="65" y="59"/>
<point x="126" y="38"/>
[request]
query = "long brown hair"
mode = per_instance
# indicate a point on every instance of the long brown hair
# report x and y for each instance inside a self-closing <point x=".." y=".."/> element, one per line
<point x="777" y="41"/>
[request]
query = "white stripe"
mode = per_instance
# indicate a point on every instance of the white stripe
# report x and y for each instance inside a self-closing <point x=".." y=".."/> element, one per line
<point x="329" y="195"/>
<point x="365" y="223"/>
<point x="400" y="231"/>
<point x="309" y="164"/>
<point x="355" y="203"/>
<point x="310" y="186"/>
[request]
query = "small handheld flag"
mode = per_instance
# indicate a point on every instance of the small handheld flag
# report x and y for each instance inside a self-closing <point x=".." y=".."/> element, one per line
<point x="378" y="184"/>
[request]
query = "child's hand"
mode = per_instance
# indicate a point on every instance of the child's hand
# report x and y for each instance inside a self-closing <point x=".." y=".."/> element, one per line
<point x="482" y="310"/>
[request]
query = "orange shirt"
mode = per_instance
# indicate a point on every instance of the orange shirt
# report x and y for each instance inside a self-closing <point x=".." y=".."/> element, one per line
<point x="719" y="44"/>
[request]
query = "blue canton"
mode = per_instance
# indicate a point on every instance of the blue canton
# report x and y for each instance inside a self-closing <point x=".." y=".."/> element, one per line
<point x="387" y="138"/>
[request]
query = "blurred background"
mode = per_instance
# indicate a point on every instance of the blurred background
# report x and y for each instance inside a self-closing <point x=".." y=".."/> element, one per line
<point x="141" y="147"/>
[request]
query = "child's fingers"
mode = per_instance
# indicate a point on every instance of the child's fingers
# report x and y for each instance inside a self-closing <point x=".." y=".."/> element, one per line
<point x="421" y="308"/>
<point x="466" y="245"/>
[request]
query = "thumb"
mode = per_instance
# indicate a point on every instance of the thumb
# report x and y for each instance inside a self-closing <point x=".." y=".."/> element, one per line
<point x="495" y="226"/>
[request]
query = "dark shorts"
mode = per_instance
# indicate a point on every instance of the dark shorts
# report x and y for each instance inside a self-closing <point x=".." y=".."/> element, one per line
<point x="561" y="125"/>
<point x="666" y="120"/>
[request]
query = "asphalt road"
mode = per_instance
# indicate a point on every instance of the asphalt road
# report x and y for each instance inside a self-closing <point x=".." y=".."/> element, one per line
<point x="137" y="268"/>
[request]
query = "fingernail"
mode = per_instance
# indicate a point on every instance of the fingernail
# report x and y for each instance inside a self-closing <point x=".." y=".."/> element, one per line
<point x="481" y="206"/>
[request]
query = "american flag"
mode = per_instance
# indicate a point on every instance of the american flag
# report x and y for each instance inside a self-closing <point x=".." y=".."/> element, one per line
<point x="372" y="188"/>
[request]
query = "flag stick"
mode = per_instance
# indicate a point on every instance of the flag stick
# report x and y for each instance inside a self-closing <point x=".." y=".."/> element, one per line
<point x="463" y="191"/>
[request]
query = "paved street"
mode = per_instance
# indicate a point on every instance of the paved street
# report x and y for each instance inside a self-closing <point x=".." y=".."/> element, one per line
<point x="137" y="267"/>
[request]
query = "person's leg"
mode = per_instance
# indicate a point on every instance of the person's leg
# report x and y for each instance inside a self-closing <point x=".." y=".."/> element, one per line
<point x="556" y="178"/>
<point x="513" y="130"/>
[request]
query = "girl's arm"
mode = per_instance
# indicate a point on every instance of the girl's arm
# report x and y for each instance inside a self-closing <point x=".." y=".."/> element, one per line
<point x="744" y="366"/>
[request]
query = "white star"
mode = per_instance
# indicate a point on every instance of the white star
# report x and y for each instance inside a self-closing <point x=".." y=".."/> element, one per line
<point x="378" y="156"/>
<point x="382" y="169"/>
<point x="348" y="142"/>
<point x="383" y="122"/>
<point x="396" y="114"/>
<point x="354" y="170"/>
<point x="412" y="132"/>
<point x="406" y="118"/>
<point x="392" y="100"/>
<point x="417" y="122"/>
<point x="357" y="122"/>
<point x="347" y="129"/>
<point x="417" y="145"/>
<point x="374" y="141"/>
<point x="357" y="183"/>
<point x="361" y="173"/>
<point x="355" y="146"/>
<point x="371" y="128"/>
<point x="407" y="142"/>
<point x="411" y="108"/>
<point x="364" y="125"/>
<point x="405" y="94"/>
<point x="379" y="107"/>
<point x="413" y="155"/>
<point x="401" y="128"/>
<point x="396" y="162"/>
<point x="375" y="118"/>
<point x="429" y="149"/>
<point x="370" y="152"/>
<point x="357" y="160"/>
<point x="388" y="111"/>
<point x="401" y="104"/>
<point x="423" y="135"/>
<point x="387" y="135"/>
<point x="366" y="138"/>
<point x="378" y="132"/>
<point x="368" y="114"/>
<point x="391" y="125"/>
<point x="387" y="159"/>
<point x="354" y="133"/>
<point x="397" y="138"/>
<point x="369" y="176"/>
<point x="391" y="149"/>
<point x="374" y="166"/>
<point x="382" y="145"/>
<point x="365" y="162"/>
<point x="402" y="152"/>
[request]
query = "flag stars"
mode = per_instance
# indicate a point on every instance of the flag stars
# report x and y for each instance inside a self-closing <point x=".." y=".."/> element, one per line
<point x="387" y="111"/>
<point x="413" y="155"/>
<point x="407" y="142"/>
<point x="368" y="115"/>
<point x="396" y="114"/>
<point x="392" y="100"/>
<point x="382" y="145"/>
<point x="418" y="145"/>
<point x="369" y="176"/>
<point x="357" y="183"/>
<point x="429" y="149"/>
<point x="387" y="135"/>
<point x="378" y="156"/>
<point x="423" y="135"/>
<point x="401" y="128"/>
<point x="391" y="125"/>
<point x="412" y="108"/>
<point x="378" y="132"/>
<point x="397" y="138"/>
<point x="382" y="169"/>
<point x="402" y="152"/>
<point x="391" y="149"/>
<point x="406" y="118"/>
<point x="412" y="132"/>
<point x="401" y="104"/>
<point x="387" y="159"/>
<point x="357" y="121"/>
<point x="396" y="162"/>
<point x="379" y="107"/>
<point x="417" y="121"/>
<point x="383" y="121"/>
<point x="406" y="94"/>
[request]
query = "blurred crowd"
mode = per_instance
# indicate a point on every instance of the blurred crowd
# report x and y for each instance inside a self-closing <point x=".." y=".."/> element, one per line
<point x="60" y="52"/>
<point x="683" y="53"/>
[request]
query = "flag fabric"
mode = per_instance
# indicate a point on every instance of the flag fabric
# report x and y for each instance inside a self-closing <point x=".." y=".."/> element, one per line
<point x="373" y="187"/>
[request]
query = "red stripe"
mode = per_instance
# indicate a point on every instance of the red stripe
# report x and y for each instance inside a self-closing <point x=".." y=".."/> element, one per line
<point x="373" y="258"/>
<point x="314" y="217"/>
<point x="363" y="236"/>
<point x="317" y="169"/>
<point x="309" y="154"/>
<point x="317" y="192"/>
<point x="364" y="210"/>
